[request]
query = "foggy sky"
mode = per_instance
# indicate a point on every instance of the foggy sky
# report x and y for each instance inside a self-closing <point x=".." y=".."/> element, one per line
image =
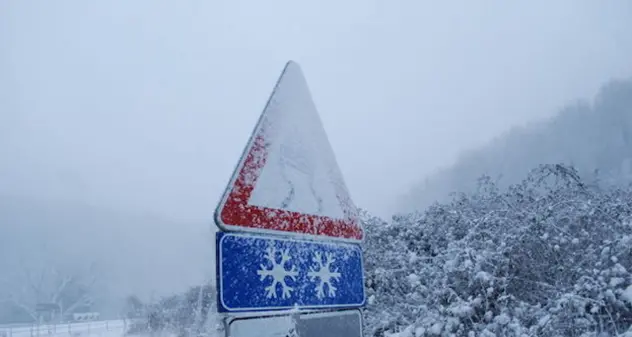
<point x="146" y="105"/>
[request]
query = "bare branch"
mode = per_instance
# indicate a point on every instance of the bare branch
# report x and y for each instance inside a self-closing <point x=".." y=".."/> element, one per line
<point x="28" y="309"/>
<point x="84" y="300"/>
<point x="63" y="284"/>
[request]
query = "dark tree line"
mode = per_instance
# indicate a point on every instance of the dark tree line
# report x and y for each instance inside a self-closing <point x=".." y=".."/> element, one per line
<point x="590" y="136"/>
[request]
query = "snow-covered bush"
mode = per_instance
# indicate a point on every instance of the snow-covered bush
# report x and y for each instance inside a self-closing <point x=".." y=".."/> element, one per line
<point x="182" y="314"/>
<point x="551" y="256"/>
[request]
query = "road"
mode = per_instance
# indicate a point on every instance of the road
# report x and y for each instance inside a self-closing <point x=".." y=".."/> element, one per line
<point x="112" y="328"/>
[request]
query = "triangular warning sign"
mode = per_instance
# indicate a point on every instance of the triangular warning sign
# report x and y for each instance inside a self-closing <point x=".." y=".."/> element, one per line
<point x="288" y="180"/>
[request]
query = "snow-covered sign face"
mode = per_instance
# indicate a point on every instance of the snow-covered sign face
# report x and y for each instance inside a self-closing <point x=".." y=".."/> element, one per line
<point x="346" y="323"/>
<point x="257" y="273"/>
<point x="288" y="179"/>
<point x="279" y="326"/>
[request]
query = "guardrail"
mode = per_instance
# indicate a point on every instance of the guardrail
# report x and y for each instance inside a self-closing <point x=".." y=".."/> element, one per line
<point x="113" y="328"/>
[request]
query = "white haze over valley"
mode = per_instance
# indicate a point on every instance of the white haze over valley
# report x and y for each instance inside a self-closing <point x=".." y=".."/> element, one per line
<point x="121" y="121"/>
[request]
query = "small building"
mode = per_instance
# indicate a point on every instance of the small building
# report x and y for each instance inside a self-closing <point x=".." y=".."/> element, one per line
<point x="47" y="312"/>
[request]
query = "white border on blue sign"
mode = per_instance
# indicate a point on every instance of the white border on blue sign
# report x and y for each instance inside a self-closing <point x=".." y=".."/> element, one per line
<point x="335" y="244"/>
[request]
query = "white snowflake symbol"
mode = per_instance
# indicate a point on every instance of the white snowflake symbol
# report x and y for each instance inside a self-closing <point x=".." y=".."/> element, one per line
<point x="278" y="273"/>
<point x="326" y="275"/>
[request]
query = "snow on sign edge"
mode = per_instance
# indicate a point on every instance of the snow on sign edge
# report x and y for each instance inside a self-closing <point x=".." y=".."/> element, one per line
<point x="234" y="213"/>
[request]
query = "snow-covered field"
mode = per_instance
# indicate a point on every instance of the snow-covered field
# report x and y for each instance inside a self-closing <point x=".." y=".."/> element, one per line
<point x="112" y="328"/>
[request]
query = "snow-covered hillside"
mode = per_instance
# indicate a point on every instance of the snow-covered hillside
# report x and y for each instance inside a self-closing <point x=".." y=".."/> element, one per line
<point x="108" y="255"/>
<point x="591" y="135"/>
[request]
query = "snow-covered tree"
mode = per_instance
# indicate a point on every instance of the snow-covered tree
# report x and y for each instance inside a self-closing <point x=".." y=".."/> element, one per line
<point x="182" y="314"/>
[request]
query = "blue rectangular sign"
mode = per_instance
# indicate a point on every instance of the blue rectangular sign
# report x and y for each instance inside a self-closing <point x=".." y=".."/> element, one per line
<point x="260" y="273"/>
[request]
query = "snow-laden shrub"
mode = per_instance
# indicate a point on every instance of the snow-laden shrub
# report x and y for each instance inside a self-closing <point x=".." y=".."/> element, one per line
<point x="180" y="315"/>
<point x="551" y="256"/>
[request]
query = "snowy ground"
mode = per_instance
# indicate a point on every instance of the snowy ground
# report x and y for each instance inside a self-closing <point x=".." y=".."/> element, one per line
<point x="113" y="328"/>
